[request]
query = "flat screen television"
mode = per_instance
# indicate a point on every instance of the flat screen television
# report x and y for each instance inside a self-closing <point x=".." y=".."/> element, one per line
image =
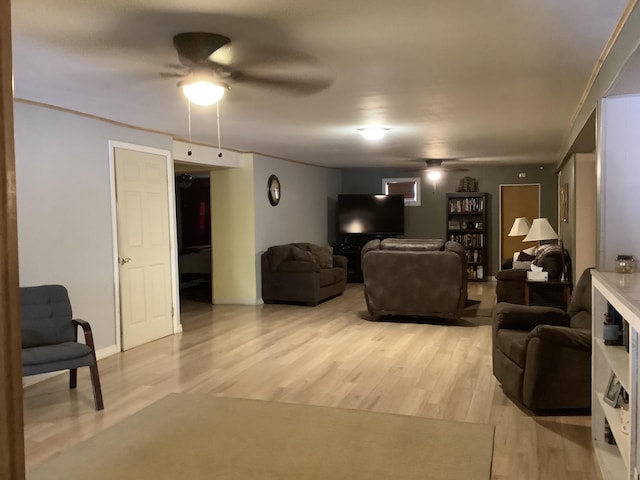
<point x="370" y="214"/>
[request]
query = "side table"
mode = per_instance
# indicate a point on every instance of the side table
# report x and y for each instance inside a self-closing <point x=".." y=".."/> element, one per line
<point x="566" y="287"/>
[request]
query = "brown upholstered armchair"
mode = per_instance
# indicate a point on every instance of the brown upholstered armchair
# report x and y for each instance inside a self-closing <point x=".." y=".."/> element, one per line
<point x="302" y="273"/>
<point x="414" y="277"/>
<point x="542" y="355"/>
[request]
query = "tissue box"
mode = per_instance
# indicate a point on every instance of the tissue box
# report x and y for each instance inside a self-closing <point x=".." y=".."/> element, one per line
<point x="538" y="276"/>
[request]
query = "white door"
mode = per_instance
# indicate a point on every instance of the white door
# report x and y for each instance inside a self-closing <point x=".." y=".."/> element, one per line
<point x="144" y="246"/>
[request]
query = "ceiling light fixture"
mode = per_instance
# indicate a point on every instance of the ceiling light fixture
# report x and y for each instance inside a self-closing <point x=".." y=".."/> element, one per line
<point x="202" y="88"/>
<point x="373" y="133"/>
<point x="434" y="175"/>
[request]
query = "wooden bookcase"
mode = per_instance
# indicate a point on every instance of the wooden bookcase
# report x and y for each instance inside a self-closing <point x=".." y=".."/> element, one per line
<point x="467" y="224"/>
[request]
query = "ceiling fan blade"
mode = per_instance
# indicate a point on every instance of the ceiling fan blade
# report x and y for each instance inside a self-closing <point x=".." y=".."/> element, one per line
<point x="194" y="48"/>
<point x="295" y="85"/>
<point x="172" y="75"/>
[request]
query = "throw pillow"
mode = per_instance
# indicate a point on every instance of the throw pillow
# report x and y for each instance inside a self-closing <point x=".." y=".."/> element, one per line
<point x="525" y="257"/>
<point x="322" y="255"/>
<point x="301" y="255"/>
<point x="278" y="254"/>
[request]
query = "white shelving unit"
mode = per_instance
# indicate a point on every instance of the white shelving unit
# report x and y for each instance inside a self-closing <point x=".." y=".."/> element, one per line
<point x="622" y="291"/>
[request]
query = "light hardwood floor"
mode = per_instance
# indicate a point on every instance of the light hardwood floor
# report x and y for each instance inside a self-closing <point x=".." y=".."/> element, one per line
<point x="326" y="355"/>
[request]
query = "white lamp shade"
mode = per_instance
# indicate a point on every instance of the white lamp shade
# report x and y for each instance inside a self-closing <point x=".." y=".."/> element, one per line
<point x="541" y="229"/>
<point x="520" y="227"/>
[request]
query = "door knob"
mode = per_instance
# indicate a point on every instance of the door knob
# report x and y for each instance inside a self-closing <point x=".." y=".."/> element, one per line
<point x="124" y="260"/>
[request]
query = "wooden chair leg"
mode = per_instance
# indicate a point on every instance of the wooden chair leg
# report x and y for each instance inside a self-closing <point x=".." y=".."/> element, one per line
<point x="95" y="384"/>
<point x="73" y="378"/>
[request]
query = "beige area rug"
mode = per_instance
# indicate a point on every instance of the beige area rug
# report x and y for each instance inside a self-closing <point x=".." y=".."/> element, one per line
<point x="199" y="436"/>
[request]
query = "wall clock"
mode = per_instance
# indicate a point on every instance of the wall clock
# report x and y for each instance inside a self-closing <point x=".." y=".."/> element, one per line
<point x="273" y="190"/>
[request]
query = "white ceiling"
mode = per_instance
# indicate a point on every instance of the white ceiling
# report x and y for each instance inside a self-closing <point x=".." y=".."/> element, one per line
<point x="477" y="80"/>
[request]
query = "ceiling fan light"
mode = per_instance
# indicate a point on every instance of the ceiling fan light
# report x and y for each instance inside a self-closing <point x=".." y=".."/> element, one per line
<point x="373" y="133"/>
<point x="434" y="175"/>
<point x="203" y="92"/>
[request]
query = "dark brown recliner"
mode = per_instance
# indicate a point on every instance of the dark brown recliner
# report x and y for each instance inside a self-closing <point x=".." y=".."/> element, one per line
<point x="542" y="355"/>
<point x="302" y="273"/>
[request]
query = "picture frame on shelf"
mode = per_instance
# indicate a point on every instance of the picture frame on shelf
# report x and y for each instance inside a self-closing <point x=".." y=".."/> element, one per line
<point x="613" y="392"/>
<point x="453" y="225"/>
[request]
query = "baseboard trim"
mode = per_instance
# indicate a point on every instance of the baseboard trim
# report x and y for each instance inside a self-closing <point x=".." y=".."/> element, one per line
<point x="107" y="352"/>
<point x="241" y="301"/>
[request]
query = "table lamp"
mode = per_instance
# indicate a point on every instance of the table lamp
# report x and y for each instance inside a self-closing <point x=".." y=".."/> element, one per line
<point x="520" y="227"/>
<point x="541" y="230"/>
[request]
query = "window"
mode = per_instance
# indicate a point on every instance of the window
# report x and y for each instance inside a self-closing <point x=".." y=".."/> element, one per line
<point x="409" y="188"/>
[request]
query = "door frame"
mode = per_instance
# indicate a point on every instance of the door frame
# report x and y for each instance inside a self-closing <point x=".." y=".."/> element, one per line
<point x="175" y="298"/>
<point x="539" y="185"/>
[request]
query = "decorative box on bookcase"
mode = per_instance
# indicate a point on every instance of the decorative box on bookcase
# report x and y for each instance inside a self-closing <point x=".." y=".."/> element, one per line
<point x="619" y="293"/>
<point x="467" y="224"/>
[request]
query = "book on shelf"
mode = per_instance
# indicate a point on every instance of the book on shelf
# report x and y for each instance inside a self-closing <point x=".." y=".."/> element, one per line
<point x="466" y="205"/>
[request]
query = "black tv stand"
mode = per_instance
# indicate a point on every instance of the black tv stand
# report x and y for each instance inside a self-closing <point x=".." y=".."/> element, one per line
<point x="350" y="246"/>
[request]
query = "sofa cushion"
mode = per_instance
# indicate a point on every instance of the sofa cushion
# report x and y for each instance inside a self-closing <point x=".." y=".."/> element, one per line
<point x="521" y="265"/>
<point x="302" y="245"/>
<point x="55" y="353"/>
<point x="298" y="266"/>
<point x="513" y="343"/>
<point x="416" y="245"/>
<point x="581" y="299"/>
<point x="329" y="276"/>
<point x="301" y="255"/>
<point x="278" y="254"/>
<point x="46" y="316"/>
<point x="323" y="256"/>
<point x="525" y="257"/>
<point x="581" y="320"/>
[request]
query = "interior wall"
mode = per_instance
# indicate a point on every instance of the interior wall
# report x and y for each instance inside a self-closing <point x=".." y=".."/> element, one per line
<point x="306" y="212"/>
<point x="567" y="230"/>
<point x="618" y="182"/>
<point x="233" y="240"/>
<point x="585" y="213"/>
<point x="429" y="219"/>
<point x="64" y="207"/>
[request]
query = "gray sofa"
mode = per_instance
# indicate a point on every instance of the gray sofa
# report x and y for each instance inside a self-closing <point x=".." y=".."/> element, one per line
<point x="542" y="355"/>
<point x="423" y="277"/>
<point x="302" y="273"/>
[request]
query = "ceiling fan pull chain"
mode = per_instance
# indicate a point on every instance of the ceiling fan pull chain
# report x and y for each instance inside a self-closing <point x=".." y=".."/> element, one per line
<point x="189" y="152"/>
<point x="218" y="123"/>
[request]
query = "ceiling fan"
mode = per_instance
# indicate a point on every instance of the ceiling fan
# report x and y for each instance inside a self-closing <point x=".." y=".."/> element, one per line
<point x="437" y="164"/>
<point x="207" y="77"/>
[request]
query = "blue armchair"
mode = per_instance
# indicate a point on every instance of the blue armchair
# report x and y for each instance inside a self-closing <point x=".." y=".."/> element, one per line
<point x="50" y="337"/>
